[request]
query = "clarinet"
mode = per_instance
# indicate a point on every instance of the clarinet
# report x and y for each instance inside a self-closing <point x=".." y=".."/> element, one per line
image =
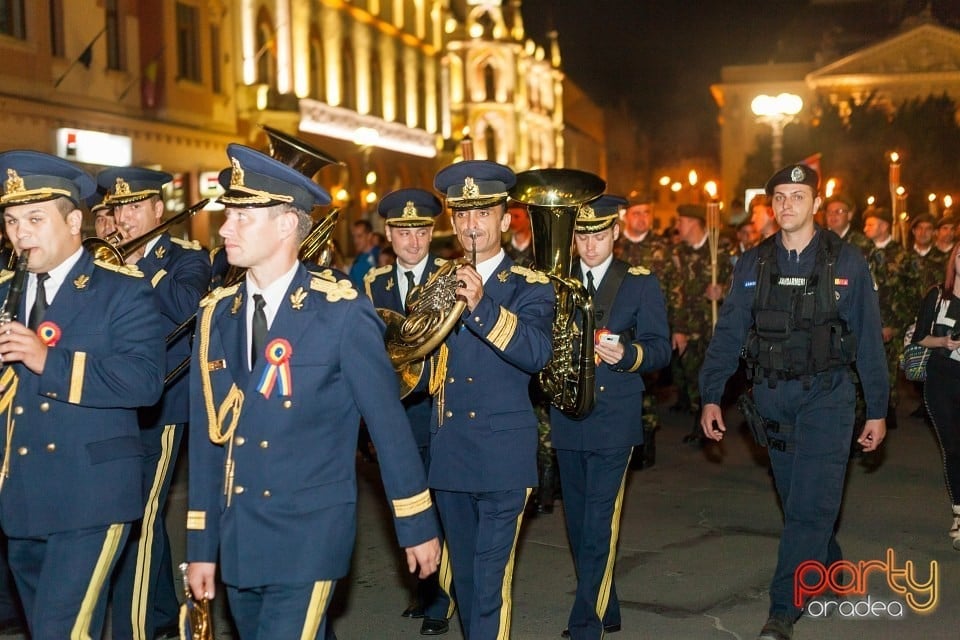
<point x="11" y="305"/>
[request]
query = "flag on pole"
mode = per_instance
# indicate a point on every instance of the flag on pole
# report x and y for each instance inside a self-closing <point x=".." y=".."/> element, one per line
<point x="85" y="58"/>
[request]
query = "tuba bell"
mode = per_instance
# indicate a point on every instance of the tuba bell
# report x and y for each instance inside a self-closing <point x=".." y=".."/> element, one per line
<point x="553" y="197"/>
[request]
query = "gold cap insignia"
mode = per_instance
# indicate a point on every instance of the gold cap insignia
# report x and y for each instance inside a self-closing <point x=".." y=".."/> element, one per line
<point x="236" y="173"/>
<point x="297" y="298"/>
<point x="797" y="175"/>
<point x="14" y="182"/>
<point x="237" y="303"/>
<point x="410" y="211"/>
<point x="587" y="212"/>
<point x="160" y="252"/>
<point x="81" y="281"/>
<point x="121" y="188"/>
<point x="470" y="189"/>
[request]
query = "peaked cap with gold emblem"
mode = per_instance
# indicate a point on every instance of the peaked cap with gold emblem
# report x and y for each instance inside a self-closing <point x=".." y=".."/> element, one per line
<point x="599" y="214"/>
<point x="409" y="208"/>
<point x="31" y="176"/>
<point x="124" y="185"/>
<point x="255" y="179"/>
<point x="474" y="184"/>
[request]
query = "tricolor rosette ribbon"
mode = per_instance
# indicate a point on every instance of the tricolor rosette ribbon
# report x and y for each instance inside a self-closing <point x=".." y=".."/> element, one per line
<point x="277" y="371"/>
<point x="49" y="333"/>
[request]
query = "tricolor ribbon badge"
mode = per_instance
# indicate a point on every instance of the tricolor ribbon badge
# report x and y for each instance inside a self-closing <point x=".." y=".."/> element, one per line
<point x="49" y="333"/>
<point x="278" y="354"/>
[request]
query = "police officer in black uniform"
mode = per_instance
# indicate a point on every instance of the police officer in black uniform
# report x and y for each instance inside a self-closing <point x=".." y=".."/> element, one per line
<point x="802" y="308"/>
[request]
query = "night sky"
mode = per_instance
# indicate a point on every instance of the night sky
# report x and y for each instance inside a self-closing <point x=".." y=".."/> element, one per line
<point x="661" y="56"/>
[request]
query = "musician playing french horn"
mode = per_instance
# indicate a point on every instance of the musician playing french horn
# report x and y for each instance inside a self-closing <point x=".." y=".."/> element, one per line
<point x="144" y="600"/>
<point x="484" y="434"/>
<point x="285" y="363"/>
<point x="86" y="352"/>
<point x="408" y="220"/>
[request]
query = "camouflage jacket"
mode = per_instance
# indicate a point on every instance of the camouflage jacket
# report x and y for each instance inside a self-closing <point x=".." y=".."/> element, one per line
<point x="894" y="273"/>
<point x="689" y="309"/>
<point x="860" y="241"/>
<point x="653" y="252"/>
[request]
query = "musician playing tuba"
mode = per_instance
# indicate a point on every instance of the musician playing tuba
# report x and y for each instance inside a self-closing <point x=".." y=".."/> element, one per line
<point x="144" y="599"/>
<point x="484" y="432"/>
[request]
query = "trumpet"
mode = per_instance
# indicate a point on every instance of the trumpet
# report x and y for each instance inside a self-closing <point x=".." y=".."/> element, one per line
<point x="195" y="616"/>
<point x="111" y="249"/>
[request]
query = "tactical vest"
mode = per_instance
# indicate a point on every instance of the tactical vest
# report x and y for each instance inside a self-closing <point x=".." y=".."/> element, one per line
<point x="797" y="331"/>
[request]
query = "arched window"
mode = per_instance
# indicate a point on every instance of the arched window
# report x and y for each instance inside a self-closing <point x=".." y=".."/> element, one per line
<point x="266" y="49"/>
<point x="318" y="78"/>
<point x="400" y="93"/>
<point x="376" y="85"/>
<point x="490" y="142"/>
<point x="489" y="82"/>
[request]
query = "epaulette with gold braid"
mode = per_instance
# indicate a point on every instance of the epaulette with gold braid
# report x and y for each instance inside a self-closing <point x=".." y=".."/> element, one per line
<point x="372" y="274"/>
<point x="326" y="274"/>
<point x="125" y="269"/>
<point x="638" y="271"/>
<point x="193" y="245"/>
<point x="531" y="275"/>
<point x="218" y="294"/>
<point x="5" y="275"/>
<point x="335" y="290"/>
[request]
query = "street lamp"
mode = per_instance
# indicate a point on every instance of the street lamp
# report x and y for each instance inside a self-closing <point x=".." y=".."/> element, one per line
<point x="777" y="111"/>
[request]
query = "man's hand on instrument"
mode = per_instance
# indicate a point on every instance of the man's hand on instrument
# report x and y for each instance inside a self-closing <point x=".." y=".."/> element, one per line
<point x="471" y="289"/>
<point x="200" y="577"/>
<point x="425" y="555"/>
<point x="20" y="344"/>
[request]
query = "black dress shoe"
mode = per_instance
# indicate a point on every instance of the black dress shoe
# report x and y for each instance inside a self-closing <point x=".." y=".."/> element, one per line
<point x="413" y="611"/>
<point x="434" y="627"/>
<point x="607" y="628"/>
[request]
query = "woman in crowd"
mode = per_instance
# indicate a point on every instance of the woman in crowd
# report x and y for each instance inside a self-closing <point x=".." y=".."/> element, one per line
<point x="938" y="328"/>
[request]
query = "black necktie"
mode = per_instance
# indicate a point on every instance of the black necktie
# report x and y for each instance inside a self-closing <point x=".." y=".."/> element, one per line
<point x="259" y="342"/>
<point x="410" y="286"/>
<point x="591" y="289"/>
<point x="40" y="304"/>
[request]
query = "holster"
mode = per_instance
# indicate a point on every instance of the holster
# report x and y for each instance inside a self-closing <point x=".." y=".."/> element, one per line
<point x="758" y="426"/>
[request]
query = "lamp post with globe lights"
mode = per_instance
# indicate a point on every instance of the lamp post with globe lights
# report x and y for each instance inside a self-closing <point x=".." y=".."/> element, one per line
<point x="777" y="111"/>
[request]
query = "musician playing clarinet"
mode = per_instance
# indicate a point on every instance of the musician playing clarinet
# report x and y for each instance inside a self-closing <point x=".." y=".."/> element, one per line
<point x="144" y="601"/>
<point x="85" y="352"/>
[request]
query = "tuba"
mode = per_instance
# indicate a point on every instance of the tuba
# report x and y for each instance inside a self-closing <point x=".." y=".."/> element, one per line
<point x="553" y="197"/>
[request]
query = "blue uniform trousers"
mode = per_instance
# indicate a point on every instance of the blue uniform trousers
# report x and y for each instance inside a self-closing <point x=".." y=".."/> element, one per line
<point x="433" y="592"/>
<point x="809" y="473"/>
<point x="9" y="601"/>
<point x="143" y="595"/>
<point x="63" y="579"/>
<point x="593" y="485"/>
<point x="482" y="530"/>
<point x="282" y="611"/>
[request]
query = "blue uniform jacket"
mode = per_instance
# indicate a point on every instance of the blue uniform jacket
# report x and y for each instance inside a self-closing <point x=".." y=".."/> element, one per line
<point x="638" y="314"/>
<point x="180" y="274"/>
<point x="76" y="451"/>
<point x="381" y="287"/>
<point x="857" y="305"/>
<point x="291" y="516"/>
<point x="484" y="431"/>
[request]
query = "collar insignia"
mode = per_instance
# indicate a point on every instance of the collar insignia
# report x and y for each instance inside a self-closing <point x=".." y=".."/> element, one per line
<point x="121" y="188"/>
<point x="237" y="303"/>
<point x="81" y="281"/>
<point x="297" y="298"/>
<point x="470" y="189"/>
<point x="160" y="252"/>
<point x="14" y="182"/>
<point x="503" y="275"/>
<point x="389" y="284"/>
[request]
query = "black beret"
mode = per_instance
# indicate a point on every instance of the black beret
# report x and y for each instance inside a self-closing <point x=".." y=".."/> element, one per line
<point x="697" y="211"/>
<point x="923" y="217"/>
<point x="881" y="213"/>
<point x="794" y="174"/>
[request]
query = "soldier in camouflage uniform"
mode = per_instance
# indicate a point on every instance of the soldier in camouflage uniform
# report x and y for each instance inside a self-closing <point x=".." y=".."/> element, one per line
<point x="929" y="263"/>
<point x="943" y="242"/>
<point x="896" y="283"/>
<point x="839" y="212"/>
<point x="761" y="214"/>
<point x="638" y="245"/>
<point x="520" y="249"/>
<point x="689" y="303"/>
